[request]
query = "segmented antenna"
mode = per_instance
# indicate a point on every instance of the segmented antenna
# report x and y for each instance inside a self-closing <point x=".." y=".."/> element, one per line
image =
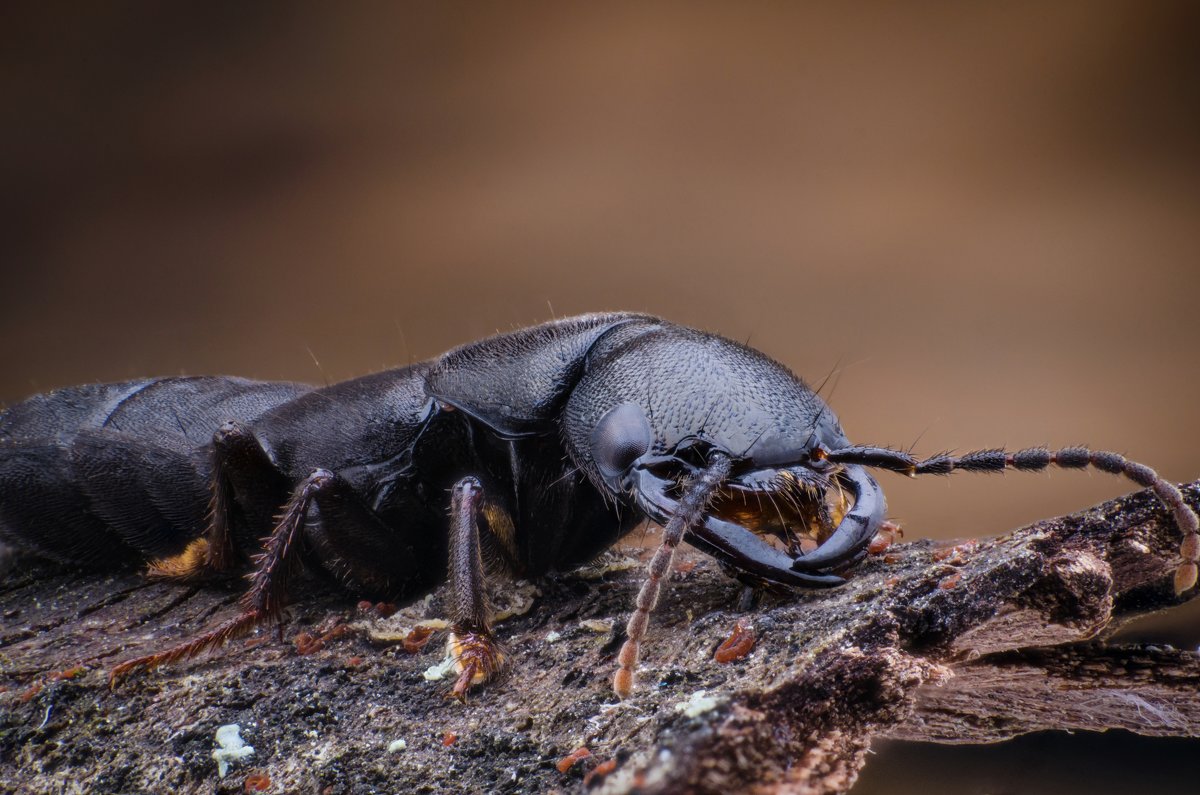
<point x="1036" y="459"/>
<point x="689" y="514"/>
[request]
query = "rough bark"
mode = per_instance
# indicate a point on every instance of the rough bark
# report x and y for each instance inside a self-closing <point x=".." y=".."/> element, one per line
<point x="972" y="643"/>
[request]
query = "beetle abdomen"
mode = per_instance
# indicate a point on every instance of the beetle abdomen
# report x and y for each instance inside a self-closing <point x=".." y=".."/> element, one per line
<point x="105" y="474"/>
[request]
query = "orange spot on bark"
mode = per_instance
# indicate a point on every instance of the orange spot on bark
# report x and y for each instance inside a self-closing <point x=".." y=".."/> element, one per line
<point x="739" y="643"/>
<point x="70" y="673"/>
<point x="257" y="782"/>
<point x="568" y="761"/>
<point x="602" y="770"/>
<point x="955" y="555"/>
<point x="417" y="639"/>
<point x="306" y="644"/>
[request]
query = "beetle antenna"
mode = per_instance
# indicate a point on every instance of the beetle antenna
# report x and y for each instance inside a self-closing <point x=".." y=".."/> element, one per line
<point x="690" y="513"/>
<point x="1035" y="459"/>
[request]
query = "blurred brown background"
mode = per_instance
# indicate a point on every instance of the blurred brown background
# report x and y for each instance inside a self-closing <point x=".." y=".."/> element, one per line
<point x="986" y="215"/>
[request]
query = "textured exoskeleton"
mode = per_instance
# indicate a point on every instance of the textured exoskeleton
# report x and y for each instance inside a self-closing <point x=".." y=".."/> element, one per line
<point x="552" y="442"/>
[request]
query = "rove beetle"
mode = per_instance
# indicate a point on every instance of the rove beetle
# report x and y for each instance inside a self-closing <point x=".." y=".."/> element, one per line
<point x="552" y="442"/>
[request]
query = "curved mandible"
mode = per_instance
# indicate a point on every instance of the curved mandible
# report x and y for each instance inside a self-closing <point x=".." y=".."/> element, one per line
<point x="857" y="528"/>
<point x="728" y="541"/>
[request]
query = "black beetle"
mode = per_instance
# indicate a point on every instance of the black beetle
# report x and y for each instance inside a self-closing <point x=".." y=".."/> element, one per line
<point x="552" y="442"/>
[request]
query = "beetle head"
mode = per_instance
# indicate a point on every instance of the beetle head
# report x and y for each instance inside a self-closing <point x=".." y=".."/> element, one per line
<point x="654" y="408"/>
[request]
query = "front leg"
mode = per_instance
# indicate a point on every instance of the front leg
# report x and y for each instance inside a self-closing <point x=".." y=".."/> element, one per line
<point x="477" y="655"/>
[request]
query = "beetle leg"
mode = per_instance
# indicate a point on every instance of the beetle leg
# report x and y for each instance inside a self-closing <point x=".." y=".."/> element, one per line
<point x="476" y="653"/>
<point x="853" y="535"/>
<point x="268" y="589"/>
<point x="351" y="541"/>
<point x="244" y="477"/>
<point x="688" y="514"/>
<point x="244" y="490"/>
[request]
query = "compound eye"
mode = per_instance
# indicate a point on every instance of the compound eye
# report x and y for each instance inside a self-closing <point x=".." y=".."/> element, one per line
<point x="621" y="437"/>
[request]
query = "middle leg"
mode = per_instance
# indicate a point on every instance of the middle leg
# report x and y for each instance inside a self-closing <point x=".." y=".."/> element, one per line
<point x="476" y="653"/>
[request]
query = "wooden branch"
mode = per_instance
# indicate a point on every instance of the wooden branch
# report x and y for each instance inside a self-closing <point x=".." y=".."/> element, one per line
<point x="1147" y="690"/>
<point x="972" y="643"/>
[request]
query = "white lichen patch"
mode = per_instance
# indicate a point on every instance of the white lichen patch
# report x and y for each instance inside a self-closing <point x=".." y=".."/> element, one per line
<point x="232" y="748"/>
<point x="388" y="630"/>
<point x="438" y="672"/>
<point x="509" y="599"/>
<point x="697" y="704"/>
<point x="1138" y="546"/>
<point x="514" y="600"/>
<point x="396" y="746"/>
<point x="320" y="753"/>
<point x="435" y="624"/>
<point x="553" y="636"/>
<point x="395" y="628"/>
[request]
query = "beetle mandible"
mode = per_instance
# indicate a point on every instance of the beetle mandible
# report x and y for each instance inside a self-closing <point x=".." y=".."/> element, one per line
<point x="552" y="442"/>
